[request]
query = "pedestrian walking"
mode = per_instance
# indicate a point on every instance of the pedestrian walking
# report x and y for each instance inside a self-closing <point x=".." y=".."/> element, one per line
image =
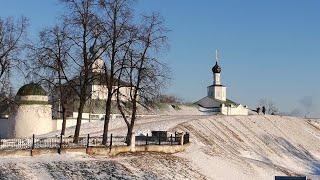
<point x="258" y="110"/>
<point x="264" y="110"/>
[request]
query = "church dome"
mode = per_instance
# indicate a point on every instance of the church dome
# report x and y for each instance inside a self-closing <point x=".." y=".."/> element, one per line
<point x="216" y="68"/>
<point x="31" y="89"/>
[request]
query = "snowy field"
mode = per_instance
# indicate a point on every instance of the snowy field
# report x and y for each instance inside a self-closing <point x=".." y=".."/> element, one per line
<point x="234" y="147"/>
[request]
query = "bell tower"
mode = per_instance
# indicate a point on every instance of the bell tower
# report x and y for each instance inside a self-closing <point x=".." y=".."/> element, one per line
<point x="217" y="91"/>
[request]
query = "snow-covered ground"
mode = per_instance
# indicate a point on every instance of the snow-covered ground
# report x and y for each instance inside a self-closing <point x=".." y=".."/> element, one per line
<point x="165" y="121"/>
<point x="222" y="147"/>
<point x="253" y="147"/>
<point x="80" y="166"/>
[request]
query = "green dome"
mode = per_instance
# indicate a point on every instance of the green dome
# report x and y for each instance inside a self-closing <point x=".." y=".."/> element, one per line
<point x="31" y="89"/>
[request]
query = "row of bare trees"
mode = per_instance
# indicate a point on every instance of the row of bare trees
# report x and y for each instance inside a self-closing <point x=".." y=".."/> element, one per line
<point x="64" y="55"/>
<point x="12" y="42"/>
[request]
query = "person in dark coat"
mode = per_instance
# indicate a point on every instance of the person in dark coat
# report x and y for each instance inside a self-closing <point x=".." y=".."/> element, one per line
<point x="258" y="110"/>
<point x="263" y="110"/>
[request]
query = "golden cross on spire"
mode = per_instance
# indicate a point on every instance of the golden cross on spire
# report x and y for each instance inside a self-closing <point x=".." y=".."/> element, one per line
<point x="217" y="56"/>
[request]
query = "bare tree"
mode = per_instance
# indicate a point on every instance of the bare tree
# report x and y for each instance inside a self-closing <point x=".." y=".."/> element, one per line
<point x="116" y="18"/>
<point x="270" y="106"/>
<point x="145" y="73"/>
<point x="83" y="29"/>
<point x="50" y="57"/>
<point x="12" y="40"/>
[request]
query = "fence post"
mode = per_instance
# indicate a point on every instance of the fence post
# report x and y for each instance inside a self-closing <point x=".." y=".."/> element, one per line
<point x="175" y="136"/>
<point x="159" y="138"/>
<point x="110" y="141"/>
<point x="146" y="139"/>
<point x="171" y="139"/>
<point x="187" y="137"/>
<point x="182" y="139"/>
<point x="88" y="140"/>
<point x="32" y="147"/>
<point x="133" y="141"/>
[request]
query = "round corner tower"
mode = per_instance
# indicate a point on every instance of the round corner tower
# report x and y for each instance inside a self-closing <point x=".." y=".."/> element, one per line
<point x="32" y="114"/>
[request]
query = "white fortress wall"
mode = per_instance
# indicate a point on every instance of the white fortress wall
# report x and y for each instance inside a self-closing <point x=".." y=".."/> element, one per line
<point x="234" y="110"/>
<point x="32" y="119"/>
<point x="100" y="92"/>
<point x="69" y="123"/>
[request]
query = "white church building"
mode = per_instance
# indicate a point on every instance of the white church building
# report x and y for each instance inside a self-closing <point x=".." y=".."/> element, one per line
<point x="216" y="101"/>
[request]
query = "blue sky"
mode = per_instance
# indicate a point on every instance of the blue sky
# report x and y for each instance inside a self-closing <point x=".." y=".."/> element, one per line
<point x="269" y="49"/>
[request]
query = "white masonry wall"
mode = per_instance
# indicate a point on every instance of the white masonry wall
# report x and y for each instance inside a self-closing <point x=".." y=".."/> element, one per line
<point x="216" y="79"/>
<point x="100" y="92"/>
<point x="234" y="110"/>
<point x="57" y="123"/>
<point x="31" y="119"/>
<point x="218" y="92"/>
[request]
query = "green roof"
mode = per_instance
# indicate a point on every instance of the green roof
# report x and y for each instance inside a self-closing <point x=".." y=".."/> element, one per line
<point x="31" y="89"/>
<point x="227" y="102"/>
<point x="95" y="106"/>
<point x="231" y="102"/>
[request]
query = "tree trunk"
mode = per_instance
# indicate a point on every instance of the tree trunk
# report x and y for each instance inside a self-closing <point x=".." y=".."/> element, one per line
<point x="79" y="118"/>
<point x="133" y="119"/>
<point x="64" y="121"/>
<point x="107" y="118"/>
<point x="129" y="135"/>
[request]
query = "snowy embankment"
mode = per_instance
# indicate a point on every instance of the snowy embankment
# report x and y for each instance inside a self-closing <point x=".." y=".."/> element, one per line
<point x="222" y="147"/>
<point x="253" y="147"/>
<point x="165" y="121"/>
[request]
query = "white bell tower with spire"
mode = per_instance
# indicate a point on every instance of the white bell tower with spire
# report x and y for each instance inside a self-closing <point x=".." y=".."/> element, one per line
<point x="217" y="91"/>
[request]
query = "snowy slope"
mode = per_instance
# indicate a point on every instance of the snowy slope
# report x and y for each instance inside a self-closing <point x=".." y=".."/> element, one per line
<point x="253" y="147"/>
<point x="223" y="147"/>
